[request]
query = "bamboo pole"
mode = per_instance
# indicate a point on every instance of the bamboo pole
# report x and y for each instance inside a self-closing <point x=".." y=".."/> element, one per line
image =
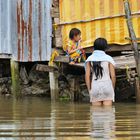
<point x="134" y="43"/>
<point x="95" y="19"/>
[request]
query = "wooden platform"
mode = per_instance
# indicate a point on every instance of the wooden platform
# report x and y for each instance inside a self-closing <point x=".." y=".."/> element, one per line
<point x="122" y="62"/>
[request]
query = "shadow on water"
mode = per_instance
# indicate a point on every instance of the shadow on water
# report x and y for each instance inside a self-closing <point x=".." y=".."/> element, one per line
<point x="39" y="119"/>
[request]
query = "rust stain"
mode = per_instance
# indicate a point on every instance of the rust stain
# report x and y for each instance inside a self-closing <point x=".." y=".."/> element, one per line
<point x="30" y="31"/>
<point x="39" y="28"/>
<point x="18" y="29"/>
<point x="22" y="28"/>
<point x="22" y="31"/>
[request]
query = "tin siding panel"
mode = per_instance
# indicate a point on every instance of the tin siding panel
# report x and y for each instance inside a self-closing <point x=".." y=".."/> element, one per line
<point x="33" y="30"/>
<point x="14" y="29"/>
<point x="48" y="28"/>
<point x="5" y="24"/>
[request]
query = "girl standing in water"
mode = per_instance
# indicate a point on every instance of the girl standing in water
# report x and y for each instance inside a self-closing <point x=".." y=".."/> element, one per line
<point x="100" y="67"/>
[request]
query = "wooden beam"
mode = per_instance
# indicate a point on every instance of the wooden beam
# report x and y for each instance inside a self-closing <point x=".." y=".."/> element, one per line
<point x="5" y="56"/>
<point x="53" y="76"/>
<point x="132" y="34"/>
<point x="45" y="68"/>
<point x="114" y="48"/>
<point x="122" y="62"/>
<point x="134" y="43"/>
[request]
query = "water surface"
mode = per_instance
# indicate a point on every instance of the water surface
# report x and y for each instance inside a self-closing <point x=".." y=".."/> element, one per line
<point x="39" y="119"/>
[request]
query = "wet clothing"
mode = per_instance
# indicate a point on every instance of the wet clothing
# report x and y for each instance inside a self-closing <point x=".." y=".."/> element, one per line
<point x="102" y="88"/>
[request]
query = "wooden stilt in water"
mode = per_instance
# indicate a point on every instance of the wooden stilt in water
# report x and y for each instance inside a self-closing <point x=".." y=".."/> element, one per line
<point x="134" y="43"/>
<point x="75" y="88"/>
<point x="15" y="79"/>
<point x="54" y="85"/>
<point x="137" y="88"/>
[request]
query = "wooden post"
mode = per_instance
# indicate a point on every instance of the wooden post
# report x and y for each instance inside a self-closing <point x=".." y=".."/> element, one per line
<point x="134" y="45"/>
<point x="15" y="79"/>
<point x="54" y="85"/>
<point x="75" y="88"/>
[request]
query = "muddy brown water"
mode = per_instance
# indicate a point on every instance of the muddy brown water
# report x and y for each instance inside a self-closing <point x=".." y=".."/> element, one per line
<point x="39" y="119"/>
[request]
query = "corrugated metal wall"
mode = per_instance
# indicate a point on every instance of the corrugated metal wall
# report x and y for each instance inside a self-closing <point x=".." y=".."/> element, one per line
<point x="26" y="29"/>
<point x="5" y="27"/>
<point x="32" y="30"/>
<point x="98" y="18"/>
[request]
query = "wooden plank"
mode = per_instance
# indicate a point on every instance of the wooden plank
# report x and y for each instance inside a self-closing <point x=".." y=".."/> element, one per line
<point x="122" y="62"/>
<point x="114" y="48"/>
<point x="5" y="56"/>
<point x="56" y="21"/>
<point x="55" y="3"/>
<point x="45" y="68"/>
<point x="58" y="42"/>
<point x="55" y="12"/>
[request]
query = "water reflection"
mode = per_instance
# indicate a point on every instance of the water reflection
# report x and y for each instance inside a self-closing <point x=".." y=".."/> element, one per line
<point x="39" y="119"/>
<point x="33" y="119"/>
<point x="103" y="120"/>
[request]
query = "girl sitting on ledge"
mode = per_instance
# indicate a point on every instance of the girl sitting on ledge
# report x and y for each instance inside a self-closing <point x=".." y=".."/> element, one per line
<point x="74" y="49"/>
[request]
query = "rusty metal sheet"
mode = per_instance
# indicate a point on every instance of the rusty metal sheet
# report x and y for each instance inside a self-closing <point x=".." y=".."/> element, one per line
<point x="31" y="30"/>
<point x="5" y="27"/>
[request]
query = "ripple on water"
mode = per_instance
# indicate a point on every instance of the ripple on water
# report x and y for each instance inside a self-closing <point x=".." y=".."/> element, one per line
<point x="39" y="119"/>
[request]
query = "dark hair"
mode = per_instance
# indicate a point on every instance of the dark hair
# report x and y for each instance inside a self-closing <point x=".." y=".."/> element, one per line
<point x="74" y="32"/>
<point x="97" y="69"/>
<point x="99" y="44"/>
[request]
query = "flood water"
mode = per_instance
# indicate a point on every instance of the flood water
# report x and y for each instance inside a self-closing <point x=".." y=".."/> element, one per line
<point x="39" y="119"/>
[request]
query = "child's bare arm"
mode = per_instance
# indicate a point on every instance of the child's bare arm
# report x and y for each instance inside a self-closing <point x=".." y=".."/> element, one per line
<point x="73" y="50"/>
